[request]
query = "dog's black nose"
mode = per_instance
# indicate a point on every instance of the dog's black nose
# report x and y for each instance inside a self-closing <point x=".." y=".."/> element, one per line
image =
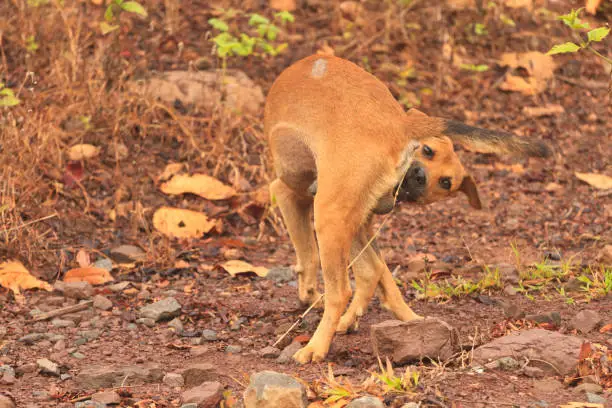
<point x="419" y="175"/>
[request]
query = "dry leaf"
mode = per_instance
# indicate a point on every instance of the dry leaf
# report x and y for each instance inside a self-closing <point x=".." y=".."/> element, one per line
<point x="82" y="258"/>
<point x="600" y="181"/>
<point x="170" y="170"/>
<point x="526" y="86"/>
<point x="548" y="110"/>
<point x="235" y="267"/>
<point x="261" y="196"/>
<point x="93" y="275"/>
<point x="82" y="152"/>
<point x="179" y="223"/>
<point x="606" y="328"/>
<point x="284" y="5"/>
<point x="14" y="276"/>
<point x="199" y="184"/>
<point x="592" y="6"/>
<point x="528" y="4"/>
<point x="540" y="67"/>
<point x="461" y="4"/>
<point x="581" y="405"/>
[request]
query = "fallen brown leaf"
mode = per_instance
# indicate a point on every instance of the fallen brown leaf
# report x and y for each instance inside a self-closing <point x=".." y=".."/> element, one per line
<point x="539" y="66"/>
<point x="82" y="152"/>
<point x="591" y="6"/>
<point x="581" y="405"/>
<point x="235" y="267"/>
<point x="600" y="181"/>
<point x="606" y="328"/>
<point x="93" y="275"/>
<point x="528" y="4"/>
<point x="170" y="170"/>
<point x="82" y="258"/>
<point x="199" y="184"/>
<point x="285" y="5"/>
<point x="15" y="277"/>
<point x="548" y="110"/>
<point x="179" y="223"/>
<point x="526" y="86"/>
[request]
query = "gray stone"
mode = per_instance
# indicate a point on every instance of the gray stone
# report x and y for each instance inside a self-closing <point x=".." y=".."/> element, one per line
<point x="287" y="354"/>
<point x="106" y="377"/>
<point x="535" y="344"/>
<point x="89" y="404"/>
<point x="269" y="352"/>
<point x="74" y="290"/>
<point x="48" y="367"/>
<point x="177" y="325"/>
<point x="107" y="397"/>
<point x="595" y="399"/>
<point x="196" y="374"/>
<point x="174" y="380"/>
<point x="534" y="372"/>
<point x="206" y="395"/>
<point x="33" y="338"/>
<point x="233" y="349"/>
<point x="90" y="334"/>
<point x="63" y="323"/>
<point x="128" y="254"/>
<point x="280" y="275"/>
<point x="102" y="303"/>
<point x="408" y="341"/>
<point x="146" y="321"/>
<point x="366" y="402"/>
<point x="209" y="335"/>
<point x="164" y="309"/>
<point x="589" y="387"/>
<point x="504" y="363"/>
<point x="586" y="320"/>
<point x="269" y="389"/>
<point x="104" y="263"/>
<point x="7" y="375"/>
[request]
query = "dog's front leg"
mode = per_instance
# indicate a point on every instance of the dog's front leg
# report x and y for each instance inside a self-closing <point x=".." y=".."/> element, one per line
<point x="336" y="223"/>
<point x="391" y="298"/>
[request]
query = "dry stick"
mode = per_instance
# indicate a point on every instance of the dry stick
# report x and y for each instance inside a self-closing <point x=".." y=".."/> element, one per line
<point x="28" y="223"/>
<point x="376" y="233"/>
<point x="64" y="310"/>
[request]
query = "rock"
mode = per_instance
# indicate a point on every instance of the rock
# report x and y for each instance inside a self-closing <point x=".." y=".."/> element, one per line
<point x="107" y="397"/>
<point x="206" y="395"/>
<point x="33" y="338"/>
<point x="552" y="318"/>
<point x="89" y="404"/>
<point x="555" y="348"/>
<point x="106" y="377"/>
<point x="177" y="325"/>
<point x="146" y="321"/>
<point x="233" y="349"/>
<point x="269" y="389"/>
<point x="510" y="290"/>
<point x="119" y="287"/>
<point x="128" y="254"/>
<point x="89" y="334"/>
<point x="48" y="367"/>
<point x="102" y="303"/>
<point x="6" y="402"/>
<point x="7" y="375"/>
<point x="164" y="309"/>
<point x="605" y="255"/>
<point x="190" y="405"/>
<point x="512" y="311"/>
<point x="74" y="290"/>
<point x="589" y="387"/>
<point x="269" y="352"/>
<point x="585" y="321"/>
<point x="595" y="399"/>
<point x="238" y="93"/>
<point x="534" y="372"/>
<point x="196" y="374"/>
<point x="365" y="402"/>
<point x="62" y="323"/>
<point x="547" y="385"/>
<point x="287" y="354"/>
<point x="26" y="369"/>
<point x="209" y="335"/>
<point x="104" y="263"/>
<point x="410" y="405"/>
<point x="413" y="340"/>
<point x="504" y="363"/>
<point x="174" y="380"/>
<point x="280" y="275"/>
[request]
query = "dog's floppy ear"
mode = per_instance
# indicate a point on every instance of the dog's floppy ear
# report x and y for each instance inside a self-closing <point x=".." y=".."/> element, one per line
<point x="468" y="187"/>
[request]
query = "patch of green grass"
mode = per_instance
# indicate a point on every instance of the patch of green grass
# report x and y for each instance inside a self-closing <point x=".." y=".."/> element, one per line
<point x="457" y="286"/>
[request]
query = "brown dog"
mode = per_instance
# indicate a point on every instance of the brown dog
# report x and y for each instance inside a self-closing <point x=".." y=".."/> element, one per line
<point x="328" y="120"/>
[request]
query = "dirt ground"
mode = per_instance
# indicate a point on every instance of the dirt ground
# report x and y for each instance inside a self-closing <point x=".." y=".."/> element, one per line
<point x="539" y="216"/>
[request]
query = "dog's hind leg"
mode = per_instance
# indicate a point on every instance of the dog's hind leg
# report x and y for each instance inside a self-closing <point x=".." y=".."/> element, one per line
<point x="391" y="298"/>
<point x="297" y="212"/>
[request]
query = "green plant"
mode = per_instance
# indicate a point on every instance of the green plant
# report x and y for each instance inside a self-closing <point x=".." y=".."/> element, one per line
<point x="31" y="44"/>
<point x="37" y="3"/>
<point x="480" y="29"/>
<point x="392" y="383"/>
<point x="475" y="68"/>
<point x="573" y="21"/>
<point x="7" y="97"/>
<point x="242" y="44"/>
<point x="458" y="286"/>
<point x="599" y="283"/>
<point x="115" y="9"/>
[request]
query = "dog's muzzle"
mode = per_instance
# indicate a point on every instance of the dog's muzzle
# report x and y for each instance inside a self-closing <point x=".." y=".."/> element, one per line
<point x="414" y="184"/>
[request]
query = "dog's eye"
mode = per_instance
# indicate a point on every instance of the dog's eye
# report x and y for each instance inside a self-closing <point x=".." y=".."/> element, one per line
<point x="428" y="152"/>
<point x="445" y="183"/>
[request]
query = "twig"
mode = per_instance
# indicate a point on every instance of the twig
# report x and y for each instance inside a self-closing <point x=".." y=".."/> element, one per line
<point x="589" y="84"/>
<point x="62" y="311"/>
<point x="299" y="320"/>
<point x="28" y="223"/>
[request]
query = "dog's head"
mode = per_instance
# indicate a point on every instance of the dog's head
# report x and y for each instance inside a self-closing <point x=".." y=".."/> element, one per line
<point x="436" y="174"/>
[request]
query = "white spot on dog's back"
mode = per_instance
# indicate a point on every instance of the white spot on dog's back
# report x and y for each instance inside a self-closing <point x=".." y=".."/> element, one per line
<point x="319" y="68"/>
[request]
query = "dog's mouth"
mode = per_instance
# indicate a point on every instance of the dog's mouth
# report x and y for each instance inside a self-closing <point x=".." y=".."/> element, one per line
<point x="414" y="184"/>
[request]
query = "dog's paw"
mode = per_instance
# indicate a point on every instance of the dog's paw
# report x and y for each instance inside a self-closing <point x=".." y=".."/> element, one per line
<point x="308" y="354"/>
<point x="347" y="324"/>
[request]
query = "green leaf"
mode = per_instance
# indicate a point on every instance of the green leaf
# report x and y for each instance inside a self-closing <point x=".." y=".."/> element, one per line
<point x="285" y="17"/>
<point x="475" y="68"/>
<point x="9" y="100"/>
<point x="257" y="19"/>
<point x="107" y="28"/>
<point x="134" y="7"/>
<point x="218" y="24"/>
<point x="272" y="32"/>
<point x="563" y="48"/>
<point x="108" y="14"/>
<point x="261" y="30"/>
<point x="507" y="20"/>
<point x="281" y="47"/>
<point x="6" y="92"/>
<point x="598" y="34"/>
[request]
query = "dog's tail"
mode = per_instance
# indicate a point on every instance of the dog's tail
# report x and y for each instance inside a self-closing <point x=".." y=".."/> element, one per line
<point x="490" y="141"/>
